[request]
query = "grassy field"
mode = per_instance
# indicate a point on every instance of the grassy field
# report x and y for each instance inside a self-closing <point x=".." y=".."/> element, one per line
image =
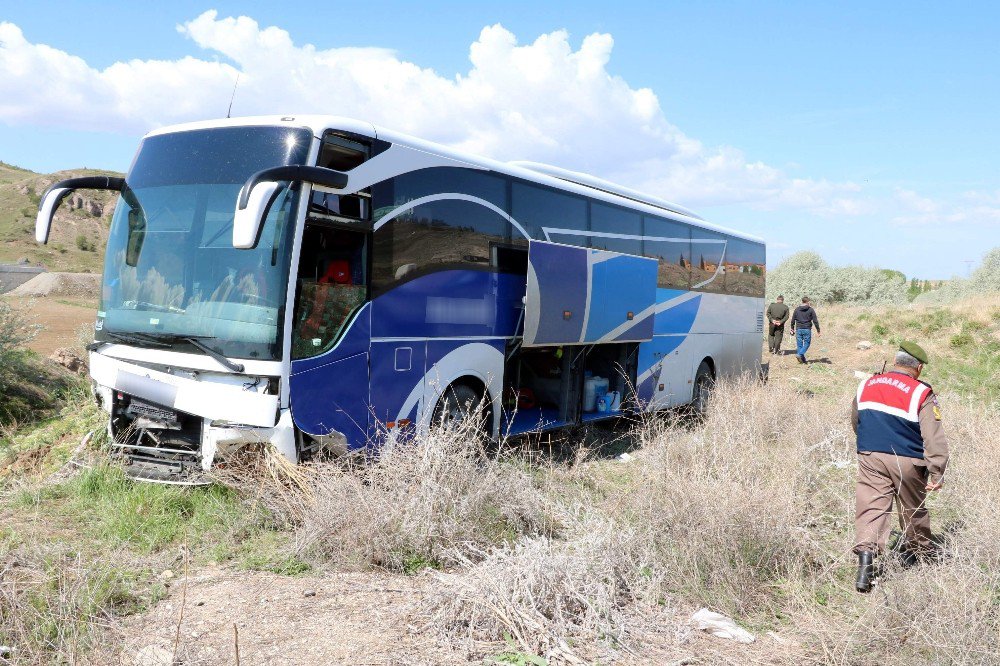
<point x="564" y="552"/>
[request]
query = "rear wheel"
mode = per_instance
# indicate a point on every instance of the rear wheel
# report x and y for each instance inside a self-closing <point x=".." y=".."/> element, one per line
<point x="704" y="382"/>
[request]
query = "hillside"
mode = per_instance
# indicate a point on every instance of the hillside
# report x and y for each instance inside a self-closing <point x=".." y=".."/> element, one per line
<point x="80" y="228"/>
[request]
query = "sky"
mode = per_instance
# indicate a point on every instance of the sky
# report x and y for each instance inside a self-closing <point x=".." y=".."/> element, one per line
<point x="866" y="132"/>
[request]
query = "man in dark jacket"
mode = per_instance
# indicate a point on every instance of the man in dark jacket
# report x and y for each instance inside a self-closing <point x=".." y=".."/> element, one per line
<point x="777" y="314"/>
<point x="802" y="322"/>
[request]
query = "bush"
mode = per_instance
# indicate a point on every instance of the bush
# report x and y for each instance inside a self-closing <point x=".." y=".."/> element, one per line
<point x="16" y="329"/>
<point x="56" y="604"/>
<point x="985" y="279"/>
<point x="420" y="503"/>
<point x="84" y="244"/>
<point x="960" y="341"/>
<point x="806" y="274"/>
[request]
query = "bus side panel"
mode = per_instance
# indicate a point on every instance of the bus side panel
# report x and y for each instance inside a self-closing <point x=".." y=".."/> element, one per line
<point x="664" y="363"/>
<point x="397" y="378"/>
<point x="329" y="392"/>
<point x="333" y="398"/>
<point x="451" y="303"/>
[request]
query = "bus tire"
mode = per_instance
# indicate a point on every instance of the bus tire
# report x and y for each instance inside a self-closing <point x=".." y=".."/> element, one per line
<point x="704" y="382"/>
<point x="460" y="402"/>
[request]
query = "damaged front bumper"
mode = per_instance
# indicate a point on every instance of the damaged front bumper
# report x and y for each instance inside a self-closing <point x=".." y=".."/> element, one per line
<point x="173" y="425"/>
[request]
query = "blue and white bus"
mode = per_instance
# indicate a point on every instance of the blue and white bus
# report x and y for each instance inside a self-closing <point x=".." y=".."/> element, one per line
<point x="317" y="281"/>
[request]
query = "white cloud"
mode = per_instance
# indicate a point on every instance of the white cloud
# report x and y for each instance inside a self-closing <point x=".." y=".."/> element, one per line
<point x="541" y="101"/>
<point x="974" y="207"/>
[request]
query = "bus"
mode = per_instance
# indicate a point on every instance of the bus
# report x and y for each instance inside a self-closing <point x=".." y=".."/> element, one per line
<point x="317" y="282"/>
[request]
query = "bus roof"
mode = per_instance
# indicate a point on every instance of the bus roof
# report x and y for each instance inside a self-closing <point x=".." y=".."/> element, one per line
<point x="555" y="177"/>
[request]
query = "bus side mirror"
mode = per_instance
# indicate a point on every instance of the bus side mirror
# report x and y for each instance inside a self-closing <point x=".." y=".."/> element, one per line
<point x="136" y="236"/>
<point x="260" y="190"/>
<point x="58" y="191"/>
<point x="46" y="210"/>
<point x="248" y="220"/>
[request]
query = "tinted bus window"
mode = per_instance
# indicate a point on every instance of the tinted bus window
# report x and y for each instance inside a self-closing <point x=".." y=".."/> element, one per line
<point x="536" y="207"/>
<point x="674" y="255"/>
<point x="391" y="194"/>
<point x="613" y="220"/>
<point x="440" y="235"/>
<point x="744" y="267"/>
<point x="708" y="252"/>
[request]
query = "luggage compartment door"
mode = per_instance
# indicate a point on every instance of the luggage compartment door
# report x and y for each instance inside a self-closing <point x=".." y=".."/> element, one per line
<point x="581" y="296"/>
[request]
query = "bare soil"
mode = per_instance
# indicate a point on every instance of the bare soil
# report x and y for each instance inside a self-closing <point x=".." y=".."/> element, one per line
<point x="60" y="318"/>
<point x="334" y="618"/>
<point x="371" y="618"/>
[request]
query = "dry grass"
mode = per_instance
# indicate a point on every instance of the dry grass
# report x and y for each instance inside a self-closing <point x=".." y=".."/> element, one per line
<point x="57" y="606"/>
<point x="418" y="503"/>
<point x="750" y="514"/>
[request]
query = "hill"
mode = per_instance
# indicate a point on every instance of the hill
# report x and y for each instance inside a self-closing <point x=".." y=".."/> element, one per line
<point x="80" y="228"/>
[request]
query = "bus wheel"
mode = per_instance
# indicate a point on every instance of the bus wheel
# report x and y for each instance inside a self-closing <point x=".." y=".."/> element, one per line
<point x="704" y="382"/>
<point x="461" y="403"/>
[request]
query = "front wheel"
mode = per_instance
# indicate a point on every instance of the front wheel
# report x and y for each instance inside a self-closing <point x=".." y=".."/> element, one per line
<point x="462" y="405"/>
<point x="704" y="382"/>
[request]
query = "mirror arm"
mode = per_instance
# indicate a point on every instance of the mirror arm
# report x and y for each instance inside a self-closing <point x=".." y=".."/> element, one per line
<point x="88" y="183"/>
<point x="310" y="174"/>
<point x="56" y="192"/>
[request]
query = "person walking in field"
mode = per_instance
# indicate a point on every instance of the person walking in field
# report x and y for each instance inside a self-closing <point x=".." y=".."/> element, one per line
<point x="803" y="320"/>
<point x="902" y="455"/>
<point x="777" y="315"/>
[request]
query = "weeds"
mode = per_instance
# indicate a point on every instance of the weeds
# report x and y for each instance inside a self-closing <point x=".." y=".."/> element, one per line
<point x="56" y="604"/>
<point x="420" y="503"/>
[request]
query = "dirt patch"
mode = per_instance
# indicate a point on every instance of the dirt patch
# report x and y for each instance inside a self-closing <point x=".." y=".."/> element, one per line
<point x="60" y="319"/>
<point x="76" y="285"/>
<point x="330" y="619"/>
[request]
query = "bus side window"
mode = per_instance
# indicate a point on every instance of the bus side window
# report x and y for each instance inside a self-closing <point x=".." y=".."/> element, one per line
<point x="341" y="154"/>
<point x="615" y="223"/>
<point x="537" y="207"/>
<point x="669" y="242"/>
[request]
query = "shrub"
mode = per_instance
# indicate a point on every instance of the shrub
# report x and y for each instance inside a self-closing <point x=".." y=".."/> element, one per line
<point x="56" y="604"/>
<point x="880" y="330"/>
<point x="420" y="503"/>
<point x="960" y="341"/>
<point x="84" y="244"/>
<point x="16" y="329"/>
<point x="807" y="274"/>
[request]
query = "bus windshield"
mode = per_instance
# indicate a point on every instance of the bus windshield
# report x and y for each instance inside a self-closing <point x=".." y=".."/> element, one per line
<point x="171" y="272"/>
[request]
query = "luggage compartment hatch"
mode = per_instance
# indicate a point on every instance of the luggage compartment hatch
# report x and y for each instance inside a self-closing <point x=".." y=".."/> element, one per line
<point x="581" y="296"/>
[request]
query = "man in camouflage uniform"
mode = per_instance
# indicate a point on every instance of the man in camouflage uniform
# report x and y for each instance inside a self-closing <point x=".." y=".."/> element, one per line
<point x="777" y="315"/>
<point x="902" y="455"/>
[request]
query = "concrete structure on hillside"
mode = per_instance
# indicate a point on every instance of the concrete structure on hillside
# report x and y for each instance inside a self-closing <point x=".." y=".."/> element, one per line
<point x="13" y="276"/>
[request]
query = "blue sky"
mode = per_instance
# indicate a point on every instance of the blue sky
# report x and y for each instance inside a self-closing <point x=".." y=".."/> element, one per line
<point x="866" y="133"/>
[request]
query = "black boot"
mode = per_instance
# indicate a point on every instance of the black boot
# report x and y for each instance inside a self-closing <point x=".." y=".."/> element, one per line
<point x="866" y="571"/>
<point x="907" y="558"/>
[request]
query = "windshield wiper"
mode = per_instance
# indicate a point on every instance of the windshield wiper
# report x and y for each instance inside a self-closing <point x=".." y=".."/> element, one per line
<point x="136" y="339"/>
<point x="168" y="340"/>
<point x="196" y="341"/>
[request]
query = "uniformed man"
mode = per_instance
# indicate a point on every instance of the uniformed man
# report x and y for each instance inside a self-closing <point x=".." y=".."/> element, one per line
<point x="777" y="315"/>
<point x="902" y="455"/>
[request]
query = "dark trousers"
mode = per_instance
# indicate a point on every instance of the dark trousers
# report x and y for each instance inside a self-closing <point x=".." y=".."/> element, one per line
<point x="774" y="335"/>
